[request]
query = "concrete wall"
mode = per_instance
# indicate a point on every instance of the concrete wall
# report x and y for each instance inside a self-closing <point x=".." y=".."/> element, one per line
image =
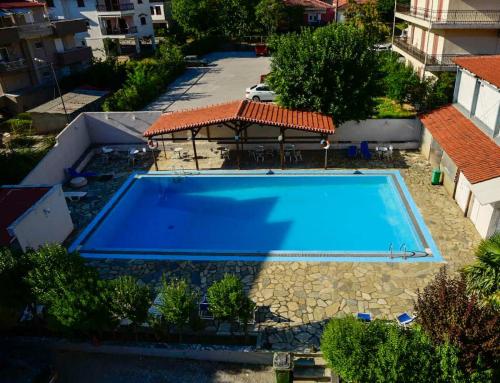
<point x="488" y="106"/>
<point x="466" y="88"/>
<point x="47" y="221"/>
<point x="71" y="143"/>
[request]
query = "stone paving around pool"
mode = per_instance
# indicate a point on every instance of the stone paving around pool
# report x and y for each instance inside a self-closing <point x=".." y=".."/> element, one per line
<point x="296" y="299"/>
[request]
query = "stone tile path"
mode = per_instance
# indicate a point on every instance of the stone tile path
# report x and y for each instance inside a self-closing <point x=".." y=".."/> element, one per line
<point x="296" y="299"/>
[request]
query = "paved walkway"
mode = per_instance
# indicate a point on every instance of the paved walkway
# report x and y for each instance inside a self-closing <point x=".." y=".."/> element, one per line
<point x="296" y="299"/>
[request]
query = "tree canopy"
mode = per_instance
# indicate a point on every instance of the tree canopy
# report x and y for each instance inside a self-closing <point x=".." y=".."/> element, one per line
<point x="329" y="70"/>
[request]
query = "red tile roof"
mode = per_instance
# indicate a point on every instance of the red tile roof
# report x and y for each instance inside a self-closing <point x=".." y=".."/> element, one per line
<point x="14" y="201"/>
<point x="343" y="3"/>
<point x="19" y="4"/>
<point x="308" y="4"/>
<point x="485" y="67"/>
<point x="245" y="111"/>
<point x="476" y="155"/>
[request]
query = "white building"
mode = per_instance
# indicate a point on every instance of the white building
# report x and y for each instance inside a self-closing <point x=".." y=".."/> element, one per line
<point x="160" y="13"/>
<point x="125" y="24"/>
<point x="463" y="141"/>
<point x="440" y="30"/>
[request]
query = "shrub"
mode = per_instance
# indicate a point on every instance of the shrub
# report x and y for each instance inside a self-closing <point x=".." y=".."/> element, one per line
<point x="76" y="299"/>
<point x="483" y="276"/>
<point x="448" y="313"/>
<point x="179" y="304"/>
<point x="129" y="300"/>
<point x="228" y="301"/>
<point x="17" y="164"/>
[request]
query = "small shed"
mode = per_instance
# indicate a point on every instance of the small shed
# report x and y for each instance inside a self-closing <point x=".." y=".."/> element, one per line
<point x="33" y="216"/>
<point x="51" y="117"/>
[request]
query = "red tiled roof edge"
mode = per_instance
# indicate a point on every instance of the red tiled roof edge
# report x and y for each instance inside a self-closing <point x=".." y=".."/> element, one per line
<point x="474" y="153"/>
<point x="20" y="4"/>
<point x="486" y="67"/>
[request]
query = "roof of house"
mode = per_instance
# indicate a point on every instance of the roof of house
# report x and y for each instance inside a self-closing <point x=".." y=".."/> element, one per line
<point x="308" y="4"/>
<point x="474" y="153"/>
<point x="14" y="201"/>
<point x="344" y="3"/>
<point x="20" y="4"/>
<point x="74" y="101"/>
<point x="485" y="67"/>
<point x="244" y="111"/>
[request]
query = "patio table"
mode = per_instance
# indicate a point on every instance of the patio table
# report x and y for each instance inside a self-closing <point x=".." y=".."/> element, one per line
<point x="179" y="151"/>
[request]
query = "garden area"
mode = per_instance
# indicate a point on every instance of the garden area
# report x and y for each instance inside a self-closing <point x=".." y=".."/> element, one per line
<point x="21" y="148"/>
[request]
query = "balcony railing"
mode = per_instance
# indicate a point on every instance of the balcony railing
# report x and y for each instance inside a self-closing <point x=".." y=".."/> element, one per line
<point x="451" y="16"/>
<point x="9" y="66"/>
<point x="120" y="31"/>
<point x="439" y="62"/>
<point x="114" y="7"/>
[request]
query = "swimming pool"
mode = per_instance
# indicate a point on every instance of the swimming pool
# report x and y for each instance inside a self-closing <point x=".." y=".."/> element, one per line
<point x="250" y="215"/>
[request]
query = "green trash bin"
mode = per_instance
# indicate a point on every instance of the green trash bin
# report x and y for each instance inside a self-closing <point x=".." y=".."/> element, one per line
<point x="436" y="177"/>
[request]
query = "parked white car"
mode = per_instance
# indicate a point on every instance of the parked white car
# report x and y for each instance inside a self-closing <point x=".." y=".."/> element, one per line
<point x="260" y="92"/>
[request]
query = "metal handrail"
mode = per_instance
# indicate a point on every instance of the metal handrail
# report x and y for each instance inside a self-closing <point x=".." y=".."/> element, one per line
<point x="103" y="7"/>
<point x="121" y="31"/>
<point x="451" y="16"/>
<point x="12" y="65"/>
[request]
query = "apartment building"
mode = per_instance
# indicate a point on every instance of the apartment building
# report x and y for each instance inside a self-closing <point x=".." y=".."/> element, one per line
<point x="113" y="26"/>
<point x="440" y="30"/>
<point x="463" y="140"/>
<point x="160" y="13"/>
<point x="30" y="45"/>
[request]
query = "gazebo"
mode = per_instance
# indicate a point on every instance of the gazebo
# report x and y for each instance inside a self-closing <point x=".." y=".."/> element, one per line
<point x="242" y="123"/>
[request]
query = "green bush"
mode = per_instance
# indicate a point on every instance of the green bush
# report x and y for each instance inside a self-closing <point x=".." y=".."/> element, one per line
<point x="228" y="301"/>
<point x="146" y="79"/>
<point x="179" y="304"/>
<point x="129" y="300"/>
<point x="19" y="126"/>
<point x="17" y="164"/>
<point x="14" y="291"/>
<point x="76" y="299"/>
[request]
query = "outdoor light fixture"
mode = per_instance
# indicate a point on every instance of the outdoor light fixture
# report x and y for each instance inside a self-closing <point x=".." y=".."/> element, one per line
<point x="280" y="138"/>
<point x="236" y="138"/>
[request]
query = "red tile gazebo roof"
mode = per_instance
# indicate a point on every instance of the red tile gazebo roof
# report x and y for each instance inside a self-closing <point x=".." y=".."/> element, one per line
<point x="244" y="111"/>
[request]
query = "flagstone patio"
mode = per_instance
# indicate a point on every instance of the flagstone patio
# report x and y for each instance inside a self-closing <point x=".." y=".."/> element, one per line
<point x="296" y="299"/>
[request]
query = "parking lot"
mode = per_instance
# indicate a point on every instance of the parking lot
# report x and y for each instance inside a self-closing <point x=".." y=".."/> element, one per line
<point x="225" y="79"/>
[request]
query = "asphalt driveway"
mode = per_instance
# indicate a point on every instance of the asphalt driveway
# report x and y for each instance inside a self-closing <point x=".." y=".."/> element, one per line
<point x="224" y="80"/>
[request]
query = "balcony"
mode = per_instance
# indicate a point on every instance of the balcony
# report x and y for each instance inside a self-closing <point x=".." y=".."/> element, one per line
<point x="35" y="30"/>
<point x="69" y="27"/>
<point x="12" y="66"/>
<point x="115" y="7"/>
<point x="433" y="63"/>
<point x="119" y="31"/>
<point x="449" y="19"/>
<point x="75" y="55"/>
<point x="9" y="35"/>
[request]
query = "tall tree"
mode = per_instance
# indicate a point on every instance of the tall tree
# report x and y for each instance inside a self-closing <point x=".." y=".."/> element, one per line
<point x="366" y="17"/>
<point x="198" y="17"/>
<point x="329" y="70"/>
<point x="270" y="13"/>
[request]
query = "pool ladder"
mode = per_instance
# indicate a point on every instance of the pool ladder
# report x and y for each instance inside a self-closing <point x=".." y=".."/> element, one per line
<point x="407" y="253"/>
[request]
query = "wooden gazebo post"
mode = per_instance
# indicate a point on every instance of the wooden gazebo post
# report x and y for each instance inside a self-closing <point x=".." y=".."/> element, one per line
<point x="193" y="139"/>
<point x="281" y="139"/>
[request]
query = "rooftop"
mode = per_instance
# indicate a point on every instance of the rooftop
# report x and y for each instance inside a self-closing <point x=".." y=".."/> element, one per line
<point x="20" y="4"/>
<point x="309" y="4"/>
<point x="475" y="155"/>
<point x="485" y="67"/>
<point x="74" y="101"/>
<point x="14" y="201"/>
<point x="244" y="111"/>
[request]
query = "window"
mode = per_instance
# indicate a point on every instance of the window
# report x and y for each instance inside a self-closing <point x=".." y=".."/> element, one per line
<point x="143" y="20"/>
<point x="152" y="10"/>
<point x="4" y="54"/>
<point x="80" y="3"/>
<point x="50" y="3"/>
<point x="158" y="10"/>
<point x="38" y="45"/>
<point x="139" y="1"/>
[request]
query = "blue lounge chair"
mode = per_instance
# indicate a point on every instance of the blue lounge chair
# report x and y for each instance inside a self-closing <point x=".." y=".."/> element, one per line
<point x="404" y="319"/>
<point x="73" y="173"/>
<point x="365" y="317"/>
<point x="352" y="151"/>
<point x="365" y="151"/>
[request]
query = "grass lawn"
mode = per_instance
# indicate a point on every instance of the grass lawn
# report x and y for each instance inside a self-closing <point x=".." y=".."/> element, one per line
<point x="387" y="108"/>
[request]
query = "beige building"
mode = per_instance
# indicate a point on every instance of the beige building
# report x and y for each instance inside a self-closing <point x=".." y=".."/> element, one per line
<point x="29" y="44"/>
<point x="440" y="30"/>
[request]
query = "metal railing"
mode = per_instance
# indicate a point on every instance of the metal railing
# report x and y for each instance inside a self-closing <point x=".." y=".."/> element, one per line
<point x="120" y="31"/>
<point x="443" y="61"/>
<point x="6" y="66"/>
<point x="113" y="7"/>
<point x="451" y="16"/>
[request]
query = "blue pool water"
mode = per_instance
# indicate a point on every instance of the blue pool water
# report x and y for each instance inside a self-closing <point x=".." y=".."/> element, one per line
<point x="258" y="214"/>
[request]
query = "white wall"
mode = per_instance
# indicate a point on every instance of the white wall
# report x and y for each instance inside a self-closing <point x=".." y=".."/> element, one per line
<point x="462" y="192"/>
<point x="488" y="105"/>
<point x="466" y="90"/>
<point x="47" y="221"/>
<point x="71" y="143"/>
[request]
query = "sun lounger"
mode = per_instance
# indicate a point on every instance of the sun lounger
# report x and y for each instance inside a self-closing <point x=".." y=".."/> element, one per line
<point x="75" y="196"/>
<point x="365" y="317"/>
<point x="404" y="319"/>
<point x="352" y="151"/>
<point x="365" y="151"/>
